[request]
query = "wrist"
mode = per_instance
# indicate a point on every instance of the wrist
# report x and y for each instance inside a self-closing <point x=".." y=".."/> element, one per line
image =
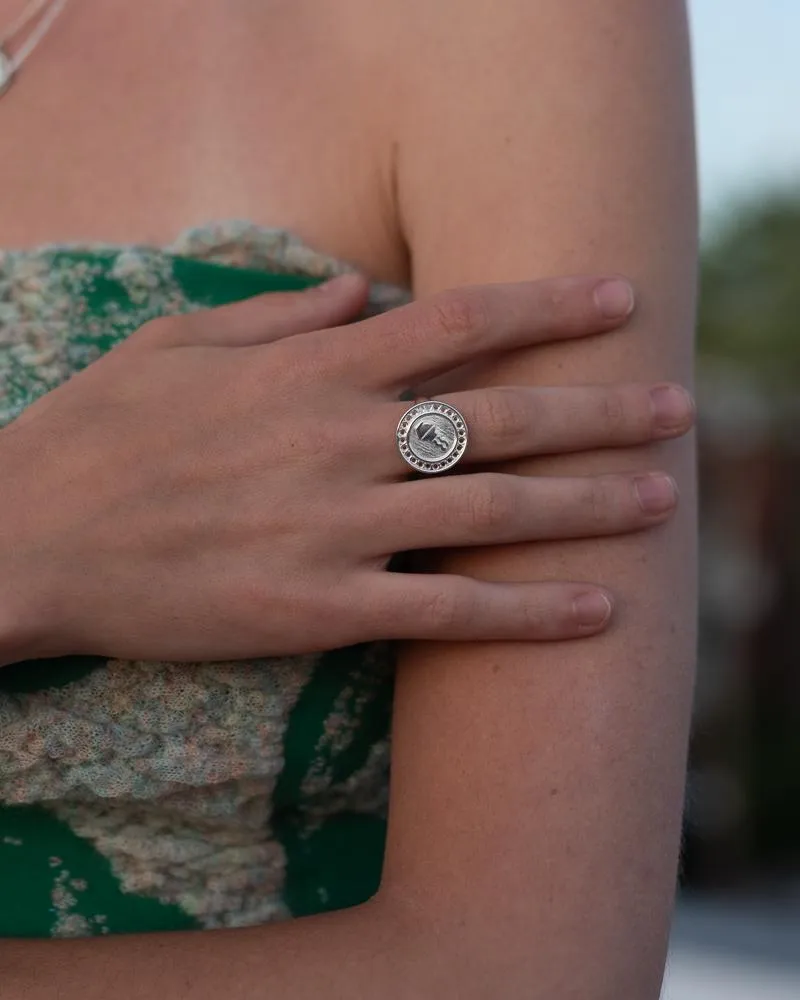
<point x="26" y="623"/>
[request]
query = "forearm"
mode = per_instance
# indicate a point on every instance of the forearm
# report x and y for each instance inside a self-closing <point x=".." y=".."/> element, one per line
<point x="354" y="954"/>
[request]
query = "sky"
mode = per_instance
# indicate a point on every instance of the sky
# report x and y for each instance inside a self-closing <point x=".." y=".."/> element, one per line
<point x="747" y="94"/>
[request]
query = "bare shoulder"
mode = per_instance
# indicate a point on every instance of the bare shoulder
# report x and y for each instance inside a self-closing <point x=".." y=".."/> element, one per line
<point x="445" y="35"/>
<point x="517" y="112"/>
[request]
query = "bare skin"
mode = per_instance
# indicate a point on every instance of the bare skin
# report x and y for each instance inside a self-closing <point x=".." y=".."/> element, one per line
<point x="449" y="146"/>
<point x="164" y="115"/>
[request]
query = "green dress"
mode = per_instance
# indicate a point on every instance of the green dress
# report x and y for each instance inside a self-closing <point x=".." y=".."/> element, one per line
<point x="140" y="796"/>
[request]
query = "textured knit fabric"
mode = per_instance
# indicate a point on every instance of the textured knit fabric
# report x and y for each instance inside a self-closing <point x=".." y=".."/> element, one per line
<point x="151" y="796"/>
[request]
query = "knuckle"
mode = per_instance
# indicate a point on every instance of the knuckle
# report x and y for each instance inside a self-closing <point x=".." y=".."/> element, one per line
<point x="541" y="621"/>
<point x="443" y="610"/>
<point x="461" y="314"/>
<point x="489" y="504"/>
<point x="613" y="411"/>
<point x="502" y="413"/>
<point x="642" y="404"/>
<point x="595" y="503"/>
<point x="557" y="299"/>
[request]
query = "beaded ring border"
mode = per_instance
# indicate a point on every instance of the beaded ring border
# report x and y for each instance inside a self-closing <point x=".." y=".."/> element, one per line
<point x="432" y="436"/>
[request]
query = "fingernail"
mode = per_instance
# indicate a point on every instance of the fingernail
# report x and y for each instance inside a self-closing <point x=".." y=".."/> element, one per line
<point x="656" y="493"/>
<point x="592" y="609"/>
<point x="672" y="406"/>
<point x="614" y="298"/>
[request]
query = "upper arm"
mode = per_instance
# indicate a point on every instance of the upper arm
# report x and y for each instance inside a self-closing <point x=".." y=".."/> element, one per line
<point x="537" y="790"/>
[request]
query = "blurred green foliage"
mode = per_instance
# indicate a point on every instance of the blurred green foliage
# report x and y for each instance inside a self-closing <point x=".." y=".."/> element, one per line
<point x="750" y="290"/>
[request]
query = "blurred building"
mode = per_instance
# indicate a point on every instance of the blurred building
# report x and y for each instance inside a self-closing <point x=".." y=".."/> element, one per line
<point x="743" y="803"/>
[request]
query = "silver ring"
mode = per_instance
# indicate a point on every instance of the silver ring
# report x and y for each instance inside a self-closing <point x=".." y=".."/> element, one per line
<point x="432" y="436"/>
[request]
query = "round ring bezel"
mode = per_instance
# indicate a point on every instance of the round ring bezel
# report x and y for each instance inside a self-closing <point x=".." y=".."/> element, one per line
<point x="450" y="413"/>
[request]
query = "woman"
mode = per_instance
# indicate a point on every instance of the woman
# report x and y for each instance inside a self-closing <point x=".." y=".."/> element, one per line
<point x="536" y="787"/>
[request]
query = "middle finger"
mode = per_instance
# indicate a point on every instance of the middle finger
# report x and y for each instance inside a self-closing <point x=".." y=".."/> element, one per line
<point x="493" y="508"/>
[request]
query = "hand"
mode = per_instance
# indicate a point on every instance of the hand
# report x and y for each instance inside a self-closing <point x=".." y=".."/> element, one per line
<point x="225" y="484"/>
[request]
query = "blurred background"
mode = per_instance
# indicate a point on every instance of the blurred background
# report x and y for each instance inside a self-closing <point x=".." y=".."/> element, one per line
<point x="737" y="928"/>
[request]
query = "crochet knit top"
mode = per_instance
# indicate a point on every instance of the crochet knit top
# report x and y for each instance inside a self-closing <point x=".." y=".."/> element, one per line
<point x="144" y="796"/>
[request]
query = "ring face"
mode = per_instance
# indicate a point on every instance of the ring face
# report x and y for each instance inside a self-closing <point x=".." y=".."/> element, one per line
<point x="432" y="436"/>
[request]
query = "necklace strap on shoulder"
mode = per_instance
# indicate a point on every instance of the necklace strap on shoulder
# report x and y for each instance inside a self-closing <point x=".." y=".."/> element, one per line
<point x="46" y="11"/>
<point x="31" y="10"/>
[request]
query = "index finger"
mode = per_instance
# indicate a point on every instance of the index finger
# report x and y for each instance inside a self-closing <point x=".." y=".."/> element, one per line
<point x="423" y="339"/>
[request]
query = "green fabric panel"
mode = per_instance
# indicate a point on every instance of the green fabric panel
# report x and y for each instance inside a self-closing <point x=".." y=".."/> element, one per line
<point x="333" y="867"/>
<point x="338" y="863"/>
<point x="307" y="722"/>
<point x="208" y="284"/>
<point x="42" y="860"/>
<point x="36" y="675"/>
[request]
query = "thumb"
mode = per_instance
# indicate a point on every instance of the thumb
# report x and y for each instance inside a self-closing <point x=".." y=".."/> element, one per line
<point x="265" y="318"/>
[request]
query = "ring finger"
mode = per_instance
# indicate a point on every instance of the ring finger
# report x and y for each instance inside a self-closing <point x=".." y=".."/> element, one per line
<point x="514" y="422"/>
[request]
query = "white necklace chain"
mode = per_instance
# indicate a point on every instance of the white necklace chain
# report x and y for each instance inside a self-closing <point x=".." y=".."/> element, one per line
<point x="46" y="11"/>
